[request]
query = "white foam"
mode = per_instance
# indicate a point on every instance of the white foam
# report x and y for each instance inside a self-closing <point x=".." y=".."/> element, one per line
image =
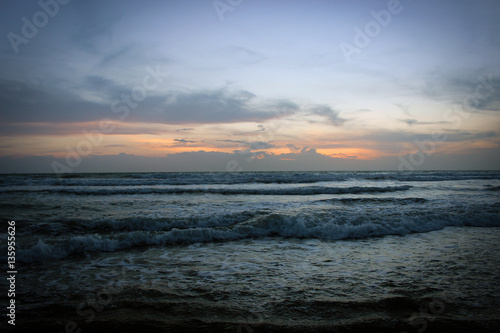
<point x="301" y="226"/>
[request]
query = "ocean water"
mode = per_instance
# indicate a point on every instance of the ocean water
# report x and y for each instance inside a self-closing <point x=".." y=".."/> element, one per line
<point x="255" y="251"/>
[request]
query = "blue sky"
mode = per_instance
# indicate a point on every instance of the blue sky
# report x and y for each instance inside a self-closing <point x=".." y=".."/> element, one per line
<point x="264" y="85"/>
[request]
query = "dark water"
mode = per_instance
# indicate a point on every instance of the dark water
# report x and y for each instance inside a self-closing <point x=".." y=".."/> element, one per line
<point x="256" y="251"/>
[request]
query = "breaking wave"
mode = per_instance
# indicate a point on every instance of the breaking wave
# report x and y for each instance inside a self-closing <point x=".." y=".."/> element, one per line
<point x="329" y="227"/>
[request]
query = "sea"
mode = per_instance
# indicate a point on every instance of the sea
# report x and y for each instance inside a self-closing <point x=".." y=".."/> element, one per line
<point x="252" y="251"/>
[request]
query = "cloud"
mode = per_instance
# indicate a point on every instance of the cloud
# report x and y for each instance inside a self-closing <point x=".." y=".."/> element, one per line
<point x="284" y="107"/>
<point x="342" y="155"/>
<point x="487" y="96"/>
<point x="252" y="145"/>
<point x="22" y="102"/>
<point x="405" y="108"/>
<point x="473" y="90"/>
<point x="293" y="148"/>
<point x="328" y="113"/>
<point x="234" y="141"/>
<point x="184" y="141"/>
<point x="467" y="136"/>
<point x="210" y="106"/>
<point x="76" y="128"/>
<point x="260" y="145"/>
<point x="412" y="122"/>
<point x="398" y="137"/>
<point x="307" y="159"/>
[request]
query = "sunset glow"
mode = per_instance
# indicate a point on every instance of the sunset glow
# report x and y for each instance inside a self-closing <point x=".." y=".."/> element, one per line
<point x="171" y="79"/>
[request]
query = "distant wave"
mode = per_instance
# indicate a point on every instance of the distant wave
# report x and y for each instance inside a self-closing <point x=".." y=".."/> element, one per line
<point x="231" y="178"/>
<point x="400" y="201"/>
<point x="306" y="190"/>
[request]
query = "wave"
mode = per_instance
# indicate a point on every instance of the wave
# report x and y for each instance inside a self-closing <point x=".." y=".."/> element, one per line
<point x="110" y="225"/>
<point x="434" y="176"/>
<point x="400" y="201"/>
<point x="306" y="190"/>
<point x="229" y="178"/>
<point x="336" y="225"/>
<point x="493" y="188"/>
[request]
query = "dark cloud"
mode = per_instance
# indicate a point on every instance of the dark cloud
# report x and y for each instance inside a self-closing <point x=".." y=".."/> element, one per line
<point x="328" y="113"/>
<point x="438" y="136"/>
<point x="60" y="128"/>
<point x="184" y="141"/>
<point x="293" y="148"/>
<point x="114" y="146"/>
<point x="260" y="145"/>
<point x="216" y="106"/>
<point x="23" y="102"/>
<point x="284" y="107"/>
<point x="234" y="141"/>
<point x="251" y="145"/>
<point x="412" y="122"/>
<point x="466" y="136"/>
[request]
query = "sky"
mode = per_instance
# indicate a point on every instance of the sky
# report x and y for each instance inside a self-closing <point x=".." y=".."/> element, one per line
<point x="245" y="85"/>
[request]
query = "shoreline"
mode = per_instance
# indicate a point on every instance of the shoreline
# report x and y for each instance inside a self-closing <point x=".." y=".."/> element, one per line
<point x="148" y="320"/>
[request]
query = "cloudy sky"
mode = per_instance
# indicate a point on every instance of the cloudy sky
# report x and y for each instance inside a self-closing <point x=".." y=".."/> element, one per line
<point x="249" y="85"/>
